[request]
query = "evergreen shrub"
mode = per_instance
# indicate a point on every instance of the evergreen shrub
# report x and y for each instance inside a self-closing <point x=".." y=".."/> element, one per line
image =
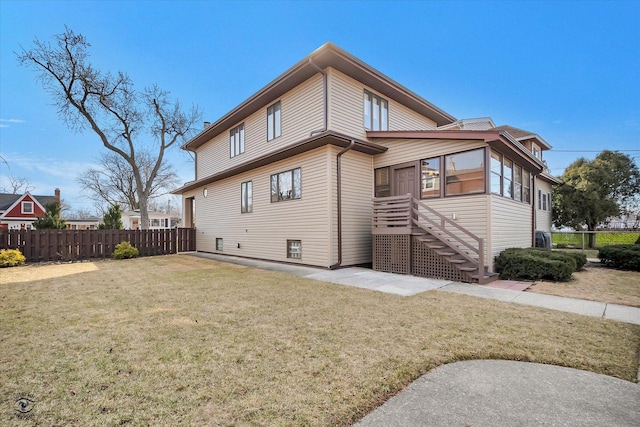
<point x="537" y="264"/>
<point x="124" y="250"/>
<point x="626" y="257"/>
<point x="11" y="258"/>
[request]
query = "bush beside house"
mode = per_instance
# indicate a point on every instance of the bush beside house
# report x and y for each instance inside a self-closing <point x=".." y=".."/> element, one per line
<point x="537" y="264"/>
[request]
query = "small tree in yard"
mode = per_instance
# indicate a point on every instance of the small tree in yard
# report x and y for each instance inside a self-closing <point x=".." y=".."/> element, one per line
<point x="51" y="219"/>
<point x="594" y="191"/>
<point x="112" y="220"/>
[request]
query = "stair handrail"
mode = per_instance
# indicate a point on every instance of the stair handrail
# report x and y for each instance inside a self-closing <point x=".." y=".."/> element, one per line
<point x="442" y="227"/>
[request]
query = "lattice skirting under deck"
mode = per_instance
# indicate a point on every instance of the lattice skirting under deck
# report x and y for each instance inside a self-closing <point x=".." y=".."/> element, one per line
<point x="405" y="254"/>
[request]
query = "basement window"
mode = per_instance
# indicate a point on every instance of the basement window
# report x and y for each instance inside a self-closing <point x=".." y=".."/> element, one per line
<point x="294" y="249"/>
<point x="219" y="244"/>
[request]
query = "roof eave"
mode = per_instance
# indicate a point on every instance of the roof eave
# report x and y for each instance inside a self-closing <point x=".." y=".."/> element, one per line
<point x="326" y="56"/>
<point x="308" y="144"/>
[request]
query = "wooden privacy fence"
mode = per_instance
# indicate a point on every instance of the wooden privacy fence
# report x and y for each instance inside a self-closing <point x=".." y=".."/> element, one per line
<point x="73" y="245"/>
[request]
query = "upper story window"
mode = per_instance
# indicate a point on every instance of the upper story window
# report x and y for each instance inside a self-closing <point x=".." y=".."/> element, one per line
<point x="273" y="121"/>
<point x="376" y="112"/>
<point x="236" y="140"/>
<point x="27" y="207"/>
<point x="536" y="151"/>
<point x="286" y="185"/>
<point x="464" y="172"/>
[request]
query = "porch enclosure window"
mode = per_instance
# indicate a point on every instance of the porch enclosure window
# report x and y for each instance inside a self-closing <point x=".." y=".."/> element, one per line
<point x="236" y="140"/>
<point x="430" y="177"/>
<point x="508" y="179"/>
<point x="246" y="195"/>
<point x="496" y="173"/>
<point x="273" y="121"/>
<point x="376" y="112"/>
<point x="27" y="207"/>
<point x="286" y="185"/>
<point x="294" y="249"/>
<point x="382" y="183"/>
<point x="464" y="172"/>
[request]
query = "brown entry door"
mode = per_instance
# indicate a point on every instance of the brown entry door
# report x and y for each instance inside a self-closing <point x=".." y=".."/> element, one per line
<point x="404" y="181"/>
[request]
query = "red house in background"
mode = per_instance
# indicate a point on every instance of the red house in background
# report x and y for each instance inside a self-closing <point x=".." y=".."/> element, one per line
<point x="18" y="211"/>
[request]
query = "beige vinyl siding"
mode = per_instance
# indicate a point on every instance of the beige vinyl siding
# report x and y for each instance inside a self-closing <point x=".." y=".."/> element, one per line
<point x="346" y="108"/>
<point x="409" y="150"/>
<point x="264" y="232"/>
<point x="510" y="224"/>
<point x="301" y="113"/>
<point x="357" y="192"/>
<point x="472" y="213"/>
<point x="543" y="218"/>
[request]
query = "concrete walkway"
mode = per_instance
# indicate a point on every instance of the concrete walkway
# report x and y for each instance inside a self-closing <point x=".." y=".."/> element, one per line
<point x="506" y="393"/>
<point x="492" y="393"/>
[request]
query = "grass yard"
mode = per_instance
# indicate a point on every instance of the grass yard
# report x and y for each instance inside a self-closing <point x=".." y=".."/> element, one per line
<point x="597" y="283"/>
<point x="180" y="340"/>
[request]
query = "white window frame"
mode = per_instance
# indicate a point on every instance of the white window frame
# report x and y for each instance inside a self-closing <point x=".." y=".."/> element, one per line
<point x="274" y="121"/>
<point x="24" y="209"/>
<point x="375" y="109"/>
<point x="246" y="197"/>
<point x="236" y="141"/>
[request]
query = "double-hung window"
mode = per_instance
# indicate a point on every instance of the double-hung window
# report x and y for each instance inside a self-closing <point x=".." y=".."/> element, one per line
<point x="236" y="140"/>
<point x="376" y="112"/>
<point x="246" y="194"/>
<point x="273" y="121"/>
<point x="286" y="185"/>
<point x="27" y="207"/>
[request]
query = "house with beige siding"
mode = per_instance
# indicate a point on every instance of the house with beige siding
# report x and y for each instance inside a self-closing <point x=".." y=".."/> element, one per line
<point x="335" y="164"/>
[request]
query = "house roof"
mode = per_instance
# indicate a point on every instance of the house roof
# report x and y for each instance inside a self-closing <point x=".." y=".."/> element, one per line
<point x="327" y="55"/>
<point x="522" y="135"/>
<point x="8" y="200"/>
<point x="498" y="138"/>
<point x="311" y="143"/>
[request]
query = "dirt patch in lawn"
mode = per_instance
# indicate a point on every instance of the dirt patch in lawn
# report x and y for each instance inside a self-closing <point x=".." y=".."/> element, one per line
<point x="181" y="340"/>
<point x="597" y="283"/>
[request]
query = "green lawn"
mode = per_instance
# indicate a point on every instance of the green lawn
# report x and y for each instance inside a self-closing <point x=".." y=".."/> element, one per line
<point x="180" y="340"/>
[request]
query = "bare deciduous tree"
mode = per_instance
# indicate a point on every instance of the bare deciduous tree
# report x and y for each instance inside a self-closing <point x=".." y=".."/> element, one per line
<point x="18" y="185"/>
<point x="115" y="182"/>
<point x="122" y="117"/>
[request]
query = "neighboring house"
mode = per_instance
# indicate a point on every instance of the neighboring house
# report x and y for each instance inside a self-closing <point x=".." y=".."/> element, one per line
<point x="19" y="211"/>
<point x="291" y="175"/>
<point x="157" y="220"/>
<point x="89" y="223"/>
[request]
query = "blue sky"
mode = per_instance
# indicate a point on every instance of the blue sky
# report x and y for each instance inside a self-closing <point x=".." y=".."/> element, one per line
<point x="569" y="71"/>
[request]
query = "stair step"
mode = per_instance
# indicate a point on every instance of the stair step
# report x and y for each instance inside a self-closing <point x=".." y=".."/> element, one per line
<point x="458" y="261"/>
<point x="445" y="253"/>
<point x="468" y="268"/>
